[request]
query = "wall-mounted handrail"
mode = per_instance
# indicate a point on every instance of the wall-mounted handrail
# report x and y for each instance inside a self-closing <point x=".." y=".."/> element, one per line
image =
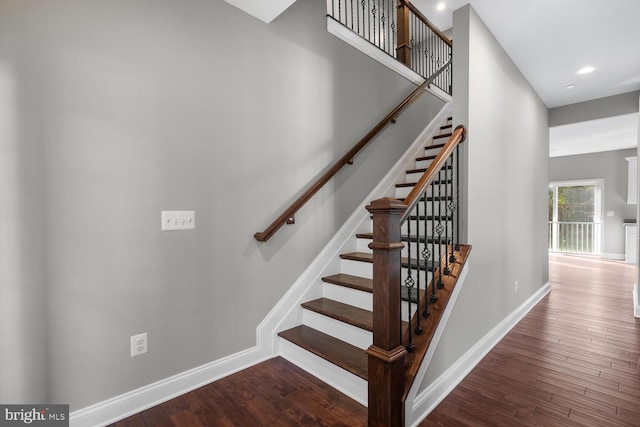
<point x="288" y="216"/>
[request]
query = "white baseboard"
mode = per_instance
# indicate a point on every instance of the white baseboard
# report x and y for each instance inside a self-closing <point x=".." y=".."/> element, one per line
<point x="127" y="404"/>
<point x="433" y="346"/>
<point x="636" y="300"/>
<point x="613" y="256"/>
<point x="441" y="387"/>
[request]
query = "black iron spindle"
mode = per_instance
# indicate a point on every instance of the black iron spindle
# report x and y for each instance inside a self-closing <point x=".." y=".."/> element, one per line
<point x="426" y="255"/>
<point x="457" y="174"/>
<point x="420" y="270"/>
<point x="447" y="270"/>
<point x="433" y="298"/>
<point x="439" y="229"/>
<point x="452" y="211"/>
<point x="409" y="283"/>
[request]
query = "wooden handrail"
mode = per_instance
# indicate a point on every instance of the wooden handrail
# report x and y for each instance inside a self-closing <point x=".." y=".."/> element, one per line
<point x="424" y="19"/>
<point x="429" y="176"/>
<point x="288" y="216"/>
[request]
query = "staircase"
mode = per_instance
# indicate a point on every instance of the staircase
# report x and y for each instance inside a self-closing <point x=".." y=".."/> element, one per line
<point x="335" y="328"/>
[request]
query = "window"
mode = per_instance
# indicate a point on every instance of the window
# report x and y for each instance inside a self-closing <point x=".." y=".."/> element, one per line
<point x="575" y="211"/>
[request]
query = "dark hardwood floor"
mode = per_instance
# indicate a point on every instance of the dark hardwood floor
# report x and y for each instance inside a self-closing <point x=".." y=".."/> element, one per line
<point x="572" y="361"/>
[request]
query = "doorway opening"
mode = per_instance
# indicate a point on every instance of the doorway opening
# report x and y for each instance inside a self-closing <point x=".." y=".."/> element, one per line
<point x="575" y="216"/>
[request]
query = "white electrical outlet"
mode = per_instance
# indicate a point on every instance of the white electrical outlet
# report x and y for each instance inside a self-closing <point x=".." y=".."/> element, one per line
<point x="515" y="288"/>
<point x="178" y="220"/>
<point x="139" y="344"/>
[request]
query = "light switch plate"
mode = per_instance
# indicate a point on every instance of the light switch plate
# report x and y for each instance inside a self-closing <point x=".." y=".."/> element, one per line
<point x="178" y="220"/>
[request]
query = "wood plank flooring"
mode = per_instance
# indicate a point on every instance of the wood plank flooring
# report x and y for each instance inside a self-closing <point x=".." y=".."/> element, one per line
<point x="272" y="393"/>
<point x="572" y="361"/>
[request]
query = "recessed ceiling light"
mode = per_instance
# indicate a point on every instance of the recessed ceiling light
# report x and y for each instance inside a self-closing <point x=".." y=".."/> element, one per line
<point x="586" y="70"/>
<point x="570" y="86"/>
<point x="441" y="5"/>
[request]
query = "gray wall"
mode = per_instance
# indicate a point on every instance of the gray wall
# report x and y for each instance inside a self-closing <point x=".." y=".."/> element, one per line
<point x="118" y="110"/>
<point x="23" y="311"/>
<point x="612" y="167"/>
<point x="507" y="154"/>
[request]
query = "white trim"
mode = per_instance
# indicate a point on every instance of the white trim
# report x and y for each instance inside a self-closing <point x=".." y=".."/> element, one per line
<point x="613" y="256"/>
<point x="424" y="366"/>
<point x="133" y="402"/>
<point x="636" y="300"/>
<point x="353" y="39"/>
<point x="441" y="387"/>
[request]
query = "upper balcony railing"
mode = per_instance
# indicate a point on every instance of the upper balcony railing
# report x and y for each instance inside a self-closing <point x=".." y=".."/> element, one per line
<point x="399" y="29"/>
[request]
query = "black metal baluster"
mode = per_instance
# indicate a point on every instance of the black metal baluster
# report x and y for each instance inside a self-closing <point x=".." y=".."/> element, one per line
<point x="434" y="298"/>
<point x="368" y="21"/>
<point x="383" y="28"/>
<point x="351" y="7"/>
<point x="419" y="269"/>
<point x="447" y="270"/>
<point x="426" y="255"/>
<point x="457" y="174"/>
<point x="409" y="283"/>
<point x="439" y="229"/>
<point x="373" y="20"/>
<point x="452" y="211"/>
<point x="393" y="43"/>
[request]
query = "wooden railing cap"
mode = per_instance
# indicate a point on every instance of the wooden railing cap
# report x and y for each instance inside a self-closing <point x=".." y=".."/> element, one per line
<point x="386" y="204"/>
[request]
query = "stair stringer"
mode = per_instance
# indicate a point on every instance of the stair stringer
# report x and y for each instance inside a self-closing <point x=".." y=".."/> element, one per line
<point x="412" y="410"/>
<point x="287" y="313"/>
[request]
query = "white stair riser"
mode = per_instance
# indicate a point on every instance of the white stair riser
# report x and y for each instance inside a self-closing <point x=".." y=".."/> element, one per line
<point x="363" y="245"/>
<point x="345" y="295"/>
<point x="344" y="381"/>
<point x="337" y="329"/>
<point x="357" y="268"/>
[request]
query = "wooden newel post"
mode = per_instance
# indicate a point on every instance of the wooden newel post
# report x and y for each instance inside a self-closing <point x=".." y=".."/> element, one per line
<point x="386" y="355"/>
<point x="403" y="51"/>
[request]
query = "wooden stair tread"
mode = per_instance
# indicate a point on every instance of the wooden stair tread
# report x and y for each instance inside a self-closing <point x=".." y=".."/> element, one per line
<point x="421" y="159"/>
<point x="405" y="238"/>
<point x="449" y="126"/>
<point x="349" y="281"/>
<point x="346" y="313"/>
<point x="413" y="184"/>
<point x="434" y="146"/>
<point x="423" y="170"/>
<point x="368" y="257"/>
<point x="444" y="135"/>
<point x="338" y="352"/>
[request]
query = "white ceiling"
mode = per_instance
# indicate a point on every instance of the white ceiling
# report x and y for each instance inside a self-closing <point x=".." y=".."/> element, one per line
<point x="549" y="40"/>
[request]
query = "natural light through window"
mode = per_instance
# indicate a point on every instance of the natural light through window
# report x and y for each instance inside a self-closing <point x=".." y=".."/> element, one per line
<point x="575" y="217"/>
